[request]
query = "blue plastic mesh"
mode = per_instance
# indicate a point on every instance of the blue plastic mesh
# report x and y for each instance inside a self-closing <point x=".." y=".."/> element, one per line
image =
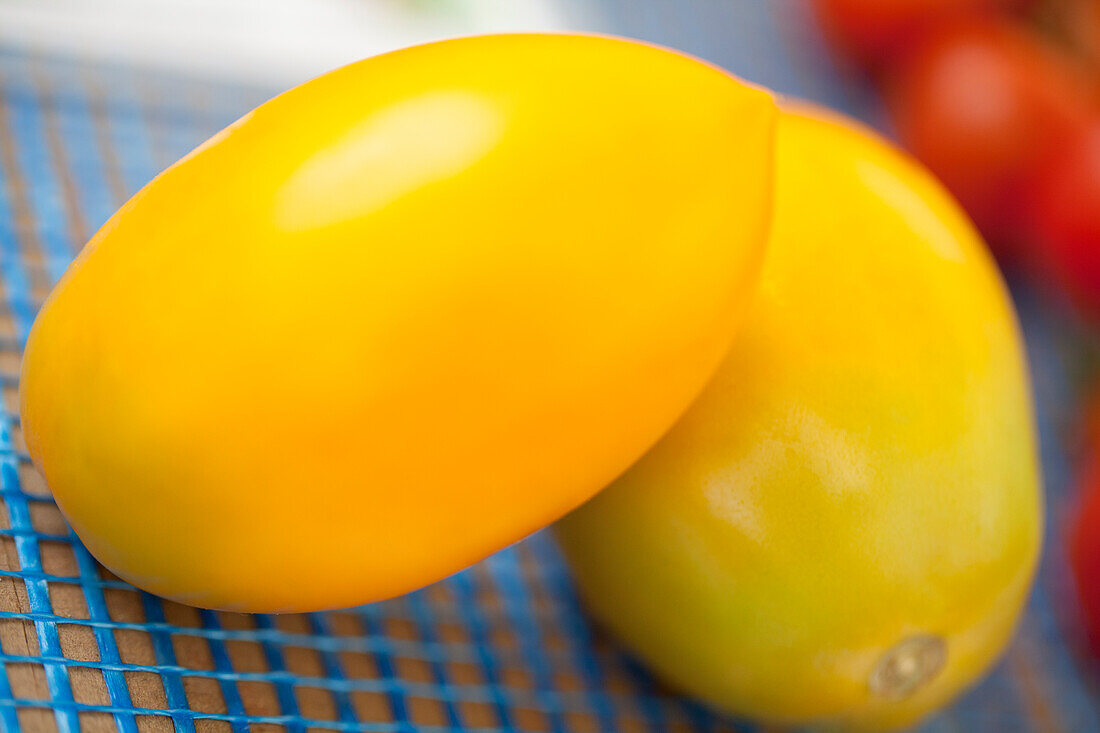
<point x="503" y="646"/>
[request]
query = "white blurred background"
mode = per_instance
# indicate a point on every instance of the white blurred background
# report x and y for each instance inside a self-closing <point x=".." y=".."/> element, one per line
<point x="279" y="43"/>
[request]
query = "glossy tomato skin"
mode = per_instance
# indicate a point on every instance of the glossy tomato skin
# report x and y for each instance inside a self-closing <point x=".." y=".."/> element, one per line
<point x="842" y="530"/>
<point x="876" y="32"/>
<point x="1084" y="550"/>
<point x="399" y="317"/>
<point x="1064" y="210"/>
<point x="983" y="103"/>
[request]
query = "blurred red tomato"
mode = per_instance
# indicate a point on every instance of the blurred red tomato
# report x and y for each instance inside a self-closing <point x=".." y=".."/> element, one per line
<point x="982" y="103"/>
<point x="1088" y="432"/>
<point x="1084" y="551"/>
<point x="1081" y="23"/>
<point x="872" y="31"/>
<point x="1065" y="215"/>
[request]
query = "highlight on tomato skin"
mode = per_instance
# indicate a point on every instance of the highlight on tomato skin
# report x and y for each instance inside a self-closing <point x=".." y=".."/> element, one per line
<point x="983" y="103"/>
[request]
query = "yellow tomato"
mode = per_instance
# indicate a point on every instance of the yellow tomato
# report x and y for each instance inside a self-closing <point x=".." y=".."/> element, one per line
<point x="843" y="528"/>
<point x="399" y="317"/>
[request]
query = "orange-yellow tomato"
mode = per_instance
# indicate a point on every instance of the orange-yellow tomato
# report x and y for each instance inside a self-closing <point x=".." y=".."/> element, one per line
<point x="842" y="530"/>
<point x="399" y="317"/>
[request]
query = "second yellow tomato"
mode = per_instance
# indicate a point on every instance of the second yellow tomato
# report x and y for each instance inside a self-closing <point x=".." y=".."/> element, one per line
<point x="843" y="528"/>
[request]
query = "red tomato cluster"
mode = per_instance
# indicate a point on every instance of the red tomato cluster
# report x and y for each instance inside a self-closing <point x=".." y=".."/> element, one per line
<point x="992" y="106"/>
<point x="985" y="105"/>
<point x="875" y="32"/>
<point x="1001" y="99"/>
